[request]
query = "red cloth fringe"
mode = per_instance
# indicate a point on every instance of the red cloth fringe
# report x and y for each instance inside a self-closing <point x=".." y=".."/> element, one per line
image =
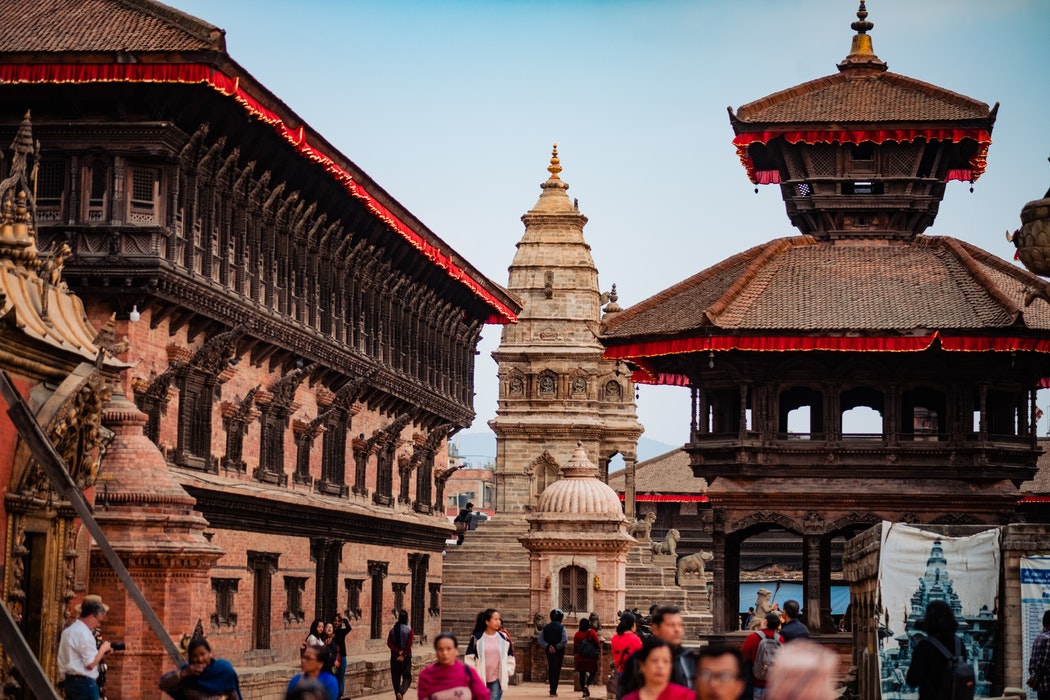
<point x="200" y="74"/>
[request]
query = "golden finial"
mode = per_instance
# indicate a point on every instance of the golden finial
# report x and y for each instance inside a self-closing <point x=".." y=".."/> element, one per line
<point x="555" y="166"/>
<point x="862" y="54"/>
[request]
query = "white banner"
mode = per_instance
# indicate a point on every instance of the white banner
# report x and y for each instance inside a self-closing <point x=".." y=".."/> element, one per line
<point x="1035" y="600"/>
<point x="916" y="567"/>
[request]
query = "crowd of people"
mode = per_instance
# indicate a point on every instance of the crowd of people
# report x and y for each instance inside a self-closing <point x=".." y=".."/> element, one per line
<point x="777" y="661"/>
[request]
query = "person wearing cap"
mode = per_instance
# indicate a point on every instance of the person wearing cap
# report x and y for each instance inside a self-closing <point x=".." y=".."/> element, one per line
<point x="78" y="654"/>
<point x="552" y="641"/>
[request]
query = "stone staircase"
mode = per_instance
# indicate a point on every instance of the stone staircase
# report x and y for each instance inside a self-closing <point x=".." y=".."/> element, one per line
<point x="651" y="581"/>
<point x="489" y="570"/>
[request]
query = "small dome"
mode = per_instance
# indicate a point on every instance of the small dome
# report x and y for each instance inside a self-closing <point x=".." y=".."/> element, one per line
<point x="580" y="491"/>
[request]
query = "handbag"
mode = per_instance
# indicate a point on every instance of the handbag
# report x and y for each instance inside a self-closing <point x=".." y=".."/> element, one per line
<point x="587" y="649"/>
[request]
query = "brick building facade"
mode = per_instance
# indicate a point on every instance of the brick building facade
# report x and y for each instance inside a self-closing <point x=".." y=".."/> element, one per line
<point x="302" y="344"/>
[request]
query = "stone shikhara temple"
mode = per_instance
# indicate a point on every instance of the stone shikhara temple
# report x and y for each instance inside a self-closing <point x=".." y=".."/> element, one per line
<point x="300" y="348"/>
<point x="946" y="342"/>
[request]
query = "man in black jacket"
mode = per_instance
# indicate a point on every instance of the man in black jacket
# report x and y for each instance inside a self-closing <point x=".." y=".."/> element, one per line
<point x="793" y="627"/>
<point x="552" y="641"/>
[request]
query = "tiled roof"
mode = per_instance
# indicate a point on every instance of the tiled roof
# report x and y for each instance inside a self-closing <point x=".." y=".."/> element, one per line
<point x="802" y="284"/>
<point x="1040" y="485"/>
<point x="846" y="98"/>
<point x="668" y="473"/>
<point x="45" y="26"/>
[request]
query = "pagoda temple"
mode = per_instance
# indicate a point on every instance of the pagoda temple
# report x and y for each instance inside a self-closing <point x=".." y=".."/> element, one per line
<point x="945" y="342"/>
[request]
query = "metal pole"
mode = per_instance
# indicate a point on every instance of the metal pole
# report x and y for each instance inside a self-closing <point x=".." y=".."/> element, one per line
<point x="50" y="461"/>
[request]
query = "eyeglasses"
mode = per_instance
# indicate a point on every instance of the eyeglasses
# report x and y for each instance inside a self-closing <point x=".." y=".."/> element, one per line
<point x="720" y="677"/>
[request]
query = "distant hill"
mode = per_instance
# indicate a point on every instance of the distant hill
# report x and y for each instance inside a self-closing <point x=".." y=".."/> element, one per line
<point x="478" y="448"/>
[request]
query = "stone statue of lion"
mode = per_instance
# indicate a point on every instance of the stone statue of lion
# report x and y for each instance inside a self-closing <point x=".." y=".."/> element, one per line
<point x="669" y="544"/>
<point x="762" y="608"/>
<point x="694" y="564"/>
<point x="641" y="527"/>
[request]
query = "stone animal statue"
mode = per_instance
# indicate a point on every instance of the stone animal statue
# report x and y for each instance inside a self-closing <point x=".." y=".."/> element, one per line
<point x="538" y="622"/>
<point x="762" y="608"/>
<point x="596" y="622"/>
<point x="669" y="544"/>
<point x="694" y="564"/>
<point x="642" y="527"/>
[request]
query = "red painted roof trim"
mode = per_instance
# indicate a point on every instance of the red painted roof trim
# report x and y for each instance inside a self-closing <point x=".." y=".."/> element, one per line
<point x="201" y="74"/>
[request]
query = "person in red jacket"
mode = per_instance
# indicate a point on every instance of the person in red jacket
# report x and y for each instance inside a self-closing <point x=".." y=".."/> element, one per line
<point x="750" y="651"/>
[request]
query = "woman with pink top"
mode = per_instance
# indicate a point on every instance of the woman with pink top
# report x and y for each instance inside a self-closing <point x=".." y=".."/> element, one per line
<point x="491" y="653"/>
<point x="448" y="678"/>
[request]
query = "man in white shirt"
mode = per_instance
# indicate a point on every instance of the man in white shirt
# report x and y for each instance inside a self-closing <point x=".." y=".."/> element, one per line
<point x="79" y="655"/>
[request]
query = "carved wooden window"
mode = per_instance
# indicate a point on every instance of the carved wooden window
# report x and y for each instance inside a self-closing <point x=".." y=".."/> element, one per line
<point x="573" y="584"/>
<point x="196" y="399"/>
<point x="377" y="571"/>
<point x="418" y="565"/>
<point x="143" y="196"/>
<point x="434" y="608"/>
<point x="271" y="449"/>
<point x="384" y="494"/>
<point x="333" y="453"/>
<point x="263" y="566"/>
<point x="96" y="191"/>
<point x="224" y="589"/>
<point x="425" y="483"/>
<point x="50" y="191"/>
<point x="233" y="460"/>
<point x="354" y="586"/>
<point x="399" y="590"/>
<point x="304" y="442"/>
<point x="294" y="586"/>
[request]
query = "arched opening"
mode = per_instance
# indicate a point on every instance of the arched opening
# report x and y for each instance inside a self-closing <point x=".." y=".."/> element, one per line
<point x="770" y="571"/>
<point x="801" y="413"/>
<point x="923" y="414"/>
<point x="862" y="413"/>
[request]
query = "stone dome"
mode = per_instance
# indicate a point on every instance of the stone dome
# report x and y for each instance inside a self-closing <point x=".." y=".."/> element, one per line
<point x="580" y="491"/>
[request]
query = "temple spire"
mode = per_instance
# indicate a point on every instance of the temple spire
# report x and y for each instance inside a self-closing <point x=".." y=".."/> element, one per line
<point x="862" y="54"/>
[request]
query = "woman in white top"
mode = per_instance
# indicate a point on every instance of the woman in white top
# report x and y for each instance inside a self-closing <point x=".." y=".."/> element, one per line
<point x="491" y="653"/>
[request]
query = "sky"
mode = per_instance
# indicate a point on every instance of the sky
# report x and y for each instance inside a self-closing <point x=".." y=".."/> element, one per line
<point x="452" y="107"/>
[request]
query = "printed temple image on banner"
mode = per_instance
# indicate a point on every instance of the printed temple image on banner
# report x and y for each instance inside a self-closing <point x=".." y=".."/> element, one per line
<point x="917" y="567"/>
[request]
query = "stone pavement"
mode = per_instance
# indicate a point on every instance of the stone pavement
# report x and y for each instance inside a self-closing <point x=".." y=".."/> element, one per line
<point x="522" y="691"/>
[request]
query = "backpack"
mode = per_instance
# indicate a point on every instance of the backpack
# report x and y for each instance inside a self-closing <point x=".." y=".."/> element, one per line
<point x="957" y="679"/>
<point x="587" y="649"/>
<point x="767" y="649"/>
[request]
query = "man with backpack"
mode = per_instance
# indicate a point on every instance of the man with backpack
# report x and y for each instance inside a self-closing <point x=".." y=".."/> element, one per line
<point x="759" y="649"/>
<point x="552" y="640"/>
<point x="462" y="521"/>
<point x="939" y="667"/>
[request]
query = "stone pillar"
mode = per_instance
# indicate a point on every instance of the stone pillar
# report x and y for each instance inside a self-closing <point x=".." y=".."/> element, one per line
<point x="629" y="494"/>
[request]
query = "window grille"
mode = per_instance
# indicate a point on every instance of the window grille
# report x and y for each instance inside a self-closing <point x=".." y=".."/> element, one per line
<point x="293" y="593"/>
<point x="224" y="614"/>
<point x="574" y="589"/>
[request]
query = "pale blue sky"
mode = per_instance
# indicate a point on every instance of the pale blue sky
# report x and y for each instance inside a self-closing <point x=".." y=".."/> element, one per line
<point x="452" y="107"/>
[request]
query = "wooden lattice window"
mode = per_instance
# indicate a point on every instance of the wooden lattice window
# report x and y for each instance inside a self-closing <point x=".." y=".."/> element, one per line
<point x="143" y="196"/>
<point x="353" y="597"/>
<point x="196" y="400"/>
<point x="294" y="586"/>
<point x="224" y="589"/>
<point x="333" y="453"/>
<point x="50" y="190"/>
<point x="96" y="191"/>
<point x="573" y="581"/>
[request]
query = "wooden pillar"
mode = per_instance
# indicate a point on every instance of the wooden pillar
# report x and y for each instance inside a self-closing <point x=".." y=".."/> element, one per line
<point x="811" y="579"/>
